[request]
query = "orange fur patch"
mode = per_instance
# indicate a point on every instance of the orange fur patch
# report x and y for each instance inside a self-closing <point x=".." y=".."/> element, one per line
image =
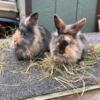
<point x="68" y="37"/>
<point x="70" y="50"/>
<point x="16" y="38"/>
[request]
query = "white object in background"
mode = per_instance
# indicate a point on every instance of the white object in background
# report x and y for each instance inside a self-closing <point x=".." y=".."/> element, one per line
<point x="99" y="24"/>
<point x="8" y="9"/>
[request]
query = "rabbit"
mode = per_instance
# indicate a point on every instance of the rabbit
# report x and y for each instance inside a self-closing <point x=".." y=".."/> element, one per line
<point x="30" y="40"/>
<point x="68" y="44"/>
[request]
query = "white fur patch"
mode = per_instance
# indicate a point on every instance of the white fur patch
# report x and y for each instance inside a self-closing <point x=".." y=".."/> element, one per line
<point x="55" y="33"/>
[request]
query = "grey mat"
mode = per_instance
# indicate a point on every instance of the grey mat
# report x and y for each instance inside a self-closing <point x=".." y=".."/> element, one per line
<point x="15" y="84"/>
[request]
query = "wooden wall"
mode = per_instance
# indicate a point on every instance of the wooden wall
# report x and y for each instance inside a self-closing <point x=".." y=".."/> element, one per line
<point x="69" y="10"/>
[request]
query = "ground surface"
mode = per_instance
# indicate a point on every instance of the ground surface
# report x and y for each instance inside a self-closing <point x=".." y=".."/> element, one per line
<point x="15" y="84"/>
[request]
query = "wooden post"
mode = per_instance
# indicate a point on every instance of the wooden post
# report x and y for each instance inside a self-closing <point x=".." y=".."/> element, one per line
<point x="28" y="7"/>
<point x="97" y="15"/>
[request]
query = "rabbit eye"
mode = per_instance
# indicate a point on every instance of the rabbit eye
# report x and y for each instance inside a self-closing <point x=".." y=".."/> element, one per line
<point x="24" y="33"/>
<point x="64" y="43"/>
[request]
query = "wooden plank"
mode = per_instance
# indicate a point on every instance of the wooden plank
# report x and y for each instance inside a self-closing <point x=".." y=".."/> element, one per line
<point x="65" y="93"/>
<point x="46" y="11"/>
<point x="87" y="9"/>
<point x="90" y="95"/>
<point x="66" y="9"/>
<point x="21" y="7"/>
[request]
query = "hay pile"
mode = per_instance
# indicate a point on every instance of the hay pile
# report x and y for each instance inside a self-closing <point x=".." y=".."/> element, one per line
<point x="69" y="74"/>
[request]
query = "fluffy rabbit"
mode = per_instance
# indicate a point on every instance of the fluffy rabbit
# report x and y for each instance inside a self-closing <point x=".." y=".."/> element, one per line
<point x="30" y="40"/>
<point x="68" y="44"/>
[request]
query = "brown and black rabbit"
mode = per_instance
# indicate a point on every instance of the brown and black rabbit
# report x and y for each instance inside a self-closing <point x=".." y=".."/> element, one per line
<point x="68" y="44"/>
<point x="30" y="39"/>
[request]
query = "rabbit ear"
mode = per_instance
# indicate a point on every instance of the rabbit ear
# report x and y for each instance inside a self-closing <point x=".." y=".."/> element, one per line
<point x="34" y="16"/>
<point x="59" y="23"/>
<point x="79" y="25"/>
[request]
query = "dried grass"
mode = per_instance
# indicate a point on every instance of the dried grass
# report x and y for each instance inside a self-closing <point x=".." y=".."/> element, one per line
<point x="69" y="74"/>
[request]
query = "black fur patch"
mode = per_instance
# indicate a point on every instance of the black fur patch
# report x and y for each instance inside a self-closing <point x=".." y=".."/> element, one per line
<point x="62" y="46"/>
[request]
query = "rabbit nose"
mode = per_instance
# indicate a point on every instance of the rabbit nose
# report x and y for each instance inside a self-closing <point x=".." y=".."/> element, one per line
<point x="63" y="46"/>
<point x="61" y="51"/>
